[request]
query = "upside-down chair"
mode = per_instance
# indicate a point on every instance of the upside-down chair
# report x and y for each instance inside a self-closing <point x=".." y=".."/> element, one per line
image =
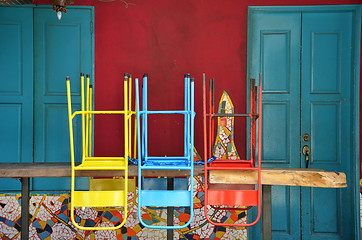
<point x="224" y="197"/>
<point x="165" y="198"/>
<point x="102" y="193"/>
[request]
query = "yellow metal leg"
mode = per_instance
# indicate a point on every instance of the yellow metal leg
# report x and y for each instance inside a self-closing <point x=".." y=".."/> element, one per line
<point x="86" y="119"/>
<point x="90" y="121"/>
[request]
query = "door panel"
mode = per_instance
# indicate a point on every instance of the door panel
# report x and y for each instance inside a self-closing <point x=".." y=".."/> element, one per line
<point x="62" y="48"/>
<point x="278" y="134"/>
<point x="324" y="122"/>
<point x="275" y="59"/>
<point x="330" y="222"/>
<point x="275" y="44"/>
<point x="326" y="116"/>
<point x="281" y="218"/>
<point x="324" y="62"/>
<point x="16" y="91"/>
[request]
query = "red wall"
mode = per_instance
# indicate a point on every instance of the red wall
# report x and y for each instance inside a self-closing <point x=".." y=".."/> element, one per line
<point x="166" y="39"/>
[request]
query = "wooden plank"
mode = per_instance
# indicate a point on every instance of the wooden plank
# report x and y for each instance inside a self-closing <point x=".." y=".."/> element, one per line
<point x="18" y="170"/>
<point x="270" y="176"/>
<point x="287" y="177"/>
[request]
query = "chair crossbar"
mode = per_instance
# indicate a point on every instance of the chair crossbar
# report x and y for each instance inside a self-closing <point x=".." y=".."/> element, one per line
<point x="165" y="112"/>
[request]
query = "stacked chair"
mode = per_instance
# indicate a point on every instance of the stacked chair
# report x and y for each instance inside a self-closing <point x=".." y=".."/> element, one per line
<point x="112" y="192"/>
<point x="233" y="196"/>
<point x="102" y="193"/>
<point x="156" y="197"/>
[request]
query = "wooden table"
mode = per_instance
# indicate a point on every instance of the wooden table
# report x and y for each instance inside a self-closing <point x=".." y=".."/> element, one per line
<point x="269" y="177"/>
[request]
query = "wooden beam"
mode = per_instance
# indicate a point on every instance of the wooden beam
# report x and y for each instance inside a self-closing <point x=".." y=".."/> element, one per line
<point x="270" y="176"/>
<point x="281" y="176"/>
<point x="19" y="170"/>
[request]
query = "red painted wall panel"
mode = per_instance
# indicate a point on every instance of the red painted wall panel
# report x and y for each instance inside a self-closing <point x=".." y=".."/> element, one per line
<point x="166" y="39"/>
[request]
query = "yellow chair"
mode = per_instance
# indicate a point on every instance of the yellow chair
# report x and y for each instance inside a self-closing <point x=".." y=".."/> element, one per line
<point x="107" y="193"/>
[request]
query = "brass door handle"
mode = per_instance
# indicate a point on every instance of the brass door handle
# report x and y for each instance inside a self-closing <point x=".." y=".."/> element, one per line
<point x="306" y="153"/>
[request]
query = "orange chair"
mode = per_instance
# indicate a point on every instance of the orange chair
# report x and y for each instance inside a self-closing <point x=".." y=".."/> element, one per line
<point x="233" y="196"/>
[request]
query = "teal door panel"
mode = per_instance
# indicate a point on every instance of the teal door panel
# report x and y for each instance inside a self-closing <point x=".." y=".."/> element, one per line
<point x="318" y="101"/>
<point x="16" y="91"/>
<point x="53" y="184"/>
<point x="326" y="117"/>
<point x="275" y="41"/>
<point x="62" y="48"/>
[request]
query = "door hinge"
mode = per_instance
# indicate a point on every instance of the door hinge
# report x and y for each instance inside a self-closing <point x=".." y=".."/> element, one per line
<point x="91" y="28"/>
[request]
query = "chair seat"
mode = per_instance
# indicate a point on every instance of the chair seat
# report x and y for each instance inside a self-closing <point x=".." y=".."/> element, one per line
<point x="102" y="163"/>
<point x="164" y="198"/>
<point x="99" y="198"/>
<point x="233" y="197"/>
<point x="232" y="163"/>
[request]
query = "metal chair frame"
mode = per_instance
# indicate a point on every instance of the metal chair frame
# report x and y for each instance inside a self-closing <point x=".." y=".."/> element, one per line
<point x="165" y="198"/>
<point x="99" y="198"/>
<point x="231" y="197"/>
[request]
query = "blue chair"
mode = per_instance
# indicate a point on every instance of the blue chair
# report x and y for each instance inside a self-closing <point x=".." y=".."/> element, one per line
<point x="165" y="198"/>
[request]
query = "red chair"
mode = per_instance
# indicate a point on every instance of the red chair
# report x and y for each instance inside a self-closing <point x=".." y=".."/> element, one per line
<point x="233" y="196"/>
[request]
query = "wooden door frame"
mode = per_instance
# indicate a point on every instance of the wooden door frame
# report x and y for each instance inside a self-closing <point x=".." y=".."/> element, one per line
<point x="356" y="62"/>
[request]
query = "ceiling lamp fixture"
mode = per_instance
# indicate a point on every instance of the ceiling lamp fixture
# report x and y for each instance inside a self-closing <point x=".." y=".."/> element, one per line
<point x="59" y="7"/>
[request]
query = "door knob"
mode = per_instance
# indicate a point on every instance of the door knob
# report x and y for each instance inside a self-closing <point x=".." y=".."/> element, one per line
<point x="306" y="153"/>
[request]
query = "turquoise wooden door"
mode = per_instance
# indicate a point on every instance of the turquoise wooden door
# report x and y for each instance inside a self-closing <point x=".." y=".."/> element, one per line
<point x="307" y="59"/>
<point x="16" y="88"/>
<point x="326" y="115"/>
<point x="276" y="53"/>
<point x="62" y="48"/>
